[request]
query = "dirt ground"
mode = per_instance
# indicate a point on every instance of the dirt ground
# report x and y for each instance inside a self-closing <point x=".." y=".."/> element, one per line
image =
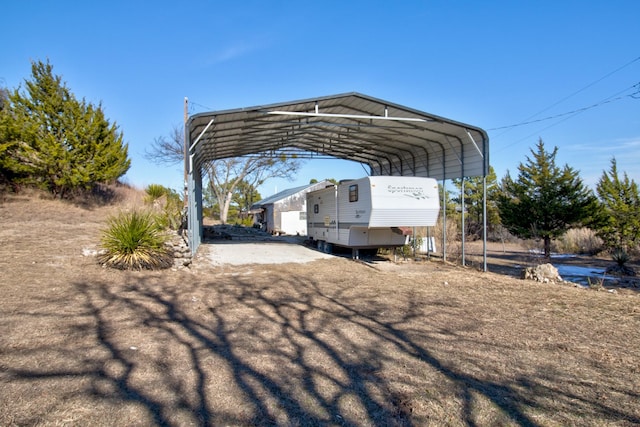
<point x="321" y="342"/>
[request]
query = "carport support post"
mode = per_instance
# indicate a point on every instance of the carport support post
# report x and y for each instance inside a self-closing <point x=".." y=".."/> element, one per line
<point x="195" y="192"/>
<point x="484" y="222"/>
<point x="415" y="243"/>
<point x="186" y="154"/>
<point x="444" y="220"/>
<point x="195" y="207"/>
<point x="462" y="219"/>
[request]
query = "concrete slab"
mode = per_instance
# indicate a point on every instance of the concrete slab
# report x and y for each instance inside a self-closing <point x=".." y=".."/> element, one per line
<point x="231" y="252"/>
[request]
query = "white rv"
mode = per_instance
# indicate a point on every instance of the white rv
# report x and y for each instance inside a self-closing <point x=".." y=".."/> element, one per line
<point x="371" y="212"/>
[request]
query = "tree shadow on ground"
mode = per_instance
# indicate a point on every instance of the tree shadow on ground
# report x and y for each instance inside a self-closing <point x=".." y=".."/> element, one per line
<point x="285" y="352"/>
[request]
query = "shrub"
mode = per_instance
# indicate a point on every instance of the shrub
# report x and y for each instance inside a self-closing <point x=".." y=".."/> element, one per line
<point x="579" y="241"/>
<point x="499" y="233"/>
<point x="133" y="241"/>
<point x="171" y="211"/>
<point x="155" y="191"/>
<point x="620" y="256"/>
<point x="454" y="248"/>
<point x="596" y="284"/>
<point x="168" y="205"/>
<point x="245" y="222"/>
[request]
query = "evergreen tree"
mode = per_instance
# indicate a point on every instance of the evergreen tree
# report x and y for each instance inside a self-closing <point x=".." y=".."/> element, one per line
<point x="9" y="165"/>
<point x="4" y="96"/>
<point x="450" y="205"/>
<point x="619" y="224"/>
<point x="473" y="201"/>
<point x="545" y="200"/>
<point x="57" y="142"/>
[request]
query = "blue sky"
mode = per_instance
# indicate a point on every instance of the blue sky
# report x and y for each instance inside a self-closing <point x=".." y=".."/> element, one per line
<point x="490" y="64"/>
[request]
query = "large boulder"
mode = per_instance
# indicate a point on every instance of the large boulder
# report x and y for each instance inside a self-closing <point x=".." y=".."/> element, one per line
<point x="544" y="273"/>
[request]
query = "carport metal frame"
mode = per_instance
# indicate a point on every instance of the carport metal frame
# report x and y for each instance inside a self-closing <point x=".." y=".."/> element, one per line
<point x="390" y="139"/>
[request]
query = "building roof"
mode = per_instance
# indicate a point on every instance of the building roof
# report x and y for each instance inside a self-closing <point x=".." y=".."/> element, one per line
<point x="287" y="193"/>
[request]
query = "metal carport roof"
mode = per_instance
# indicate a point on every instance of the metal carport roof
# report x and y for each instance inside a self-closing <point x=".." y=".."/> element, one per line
<point x="390" y="139"/>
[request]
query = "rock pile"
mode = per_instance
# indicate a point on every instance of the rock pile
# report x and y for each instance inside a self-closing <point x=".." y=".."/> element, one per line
<point x="544" y="273"/>
<point x="181" y="251"/>
<point x="235" y="232"/>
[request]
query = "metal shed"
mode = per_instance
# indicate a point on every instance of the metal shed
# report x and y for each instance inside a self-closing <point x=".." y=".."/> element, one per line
<point x="388" y="138"/>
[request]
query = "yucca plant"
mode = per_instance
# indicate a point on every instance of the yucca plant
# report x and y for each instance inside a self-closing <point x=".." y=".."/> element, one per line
<point x="620" y="256"/>
<point x="133" y="241"/>
<point x="171" y="215"/>
<point x="167" y="204"/>
<point x="155" y="191"/>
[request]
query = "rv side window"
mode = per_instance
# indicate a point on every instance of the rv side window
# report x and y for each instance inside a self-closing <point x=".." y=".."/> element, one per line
<point x="353" y="193"/>
<point x="316" y="208"/>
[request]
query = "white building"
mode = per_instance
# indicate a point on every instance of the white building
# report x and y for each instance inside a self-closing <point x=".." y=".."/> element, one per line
<point x="286" y="212"/>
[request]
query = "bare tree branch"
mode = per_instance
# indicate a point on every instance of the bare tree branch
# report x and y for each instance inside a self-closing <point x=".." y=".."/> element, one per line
<point x="167" y="150"/>
<point x="225" y="174"/>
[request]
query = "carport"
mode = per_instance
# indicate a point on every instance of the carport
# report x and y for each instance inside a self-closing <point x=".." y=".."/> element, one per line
<point x="386" y="138"/>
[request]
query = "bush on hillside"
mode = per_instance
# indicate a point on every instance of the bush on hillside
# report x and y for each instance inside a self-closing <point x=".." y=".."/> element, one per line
<point x="168" y="205"/>
<point x="155" y="191"/>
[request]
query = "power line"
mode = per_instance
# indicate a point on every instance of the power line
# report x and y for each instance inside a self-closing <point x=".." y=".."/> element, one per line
<point x="584" y="88"/>
<point x="193" y="104"/>
<point x="634" y="95"/>
<point x="528" y="119"/>
<point x="574" y="113"/>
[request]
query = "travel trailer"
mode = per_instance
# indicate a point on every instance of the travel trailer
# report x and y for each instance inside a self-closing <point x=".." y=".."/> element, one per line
<point x="371" y="212"/>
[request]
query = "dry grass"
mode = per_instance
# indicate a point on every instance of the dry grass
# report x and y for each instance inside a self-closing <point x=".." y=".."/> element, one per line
<point x="579" y="241"/>
<point x="332" y="342"/>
